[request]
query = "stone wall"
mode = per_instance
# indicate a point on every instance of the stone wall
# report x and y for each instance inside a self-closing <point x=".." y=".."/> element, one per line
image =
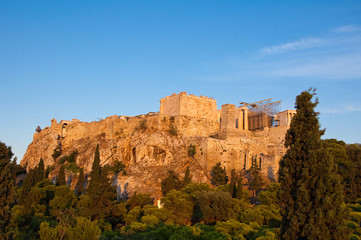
<point x="285" y="117"/>
<point x="189" y="105"/>
<point x="240" y="153"/>
<point x="170" y="105"/>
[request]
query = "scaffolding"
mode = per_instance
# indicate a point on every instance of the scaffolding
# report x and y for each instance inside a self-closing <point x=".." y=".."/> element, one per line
<point x="263" y="106"/>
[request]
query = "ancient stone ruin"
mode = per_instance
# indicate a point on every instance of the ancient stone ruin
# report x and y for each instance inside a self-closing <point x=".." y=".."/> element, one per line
<point x="151" y="144"/>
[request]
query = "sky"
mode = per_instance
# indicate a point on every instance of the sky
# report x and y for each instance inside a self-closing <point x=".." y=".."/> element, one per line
<point x="92" y="59"/>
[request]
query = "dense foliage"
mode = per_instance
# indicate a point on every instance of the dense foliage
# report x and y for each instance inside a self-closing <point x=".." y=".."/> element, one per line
<point x="6" y="188"/>
<point x="311" y="195"/>
<point x="192" y="211"/>
<point x="218" y="175"/>
<point x="307" y="203"/>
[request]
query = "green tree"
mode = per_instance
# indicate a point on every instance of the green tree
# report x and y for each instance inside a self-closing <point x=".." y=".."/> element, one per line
<point x="348" y="166"/>
<point x="139" y="199"/>
<point x="311" y="195"/>
<point x="6" y="188"/>
<point x="47" y="172"/>
<point x="187" y="178"/>
<point x="95" y="173"/>
<point x="240" y="194"/>
<point x="219" y="175"/>
<point x="63" y="200"/>
<point x="40" y="171"/>
<point x="33" y="176"/>
<point x="191" y="150"/>
<point x="17" y="169"/>
<point x="256" y="181"/>
<point x="269" y="196"/>
<point x="232" y="185"/>
<point x="80" y="183"/>
<point x="48" y="233"/>
<point x="84" y="229"/>
<point x="171" y="182"/>
<point x="354" y="153"/>
<point x="96" y="170"/>
<point x="61" y="176"/>
<point x="214" y="206"/>
<point x="102" y="198"/>
<point x="29" y="182"/>
<point x="179" y="206"/>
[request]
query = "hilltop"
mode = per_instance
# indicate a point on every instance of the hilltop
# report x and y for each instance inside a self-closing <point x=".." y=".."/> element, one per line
<point x="151" y="144"/>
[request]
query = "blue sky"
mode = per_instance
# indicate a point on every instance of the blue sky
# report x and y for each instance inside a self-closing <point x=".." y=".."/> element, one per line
<point x="92" y="59"/>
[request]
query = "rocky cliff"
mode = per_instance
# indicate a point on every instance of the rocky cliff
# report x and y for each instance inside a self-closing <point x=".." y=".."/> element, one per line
<point x="150" y="145"/>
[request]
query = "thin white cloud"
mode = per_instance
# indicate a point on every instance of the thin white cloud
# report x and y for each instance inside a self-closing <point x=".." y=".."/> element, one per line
<point x="343" y="66"/>
<point x="343" y="110"/>
<point x="334" y="57"/>
<point x="347" y="29"/>
<point x="330" y="111"/>
<point x="331" y="56"/>
<point x="353" y="109"/>
<point x="301" y="44"/>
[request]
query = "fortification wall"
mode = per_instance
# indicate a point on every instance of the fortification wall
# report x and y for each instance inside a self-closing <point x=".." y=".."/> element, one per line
<point x="170" y="105"/>
<point x="189" y="105"/>
<point x="240" y="153"/>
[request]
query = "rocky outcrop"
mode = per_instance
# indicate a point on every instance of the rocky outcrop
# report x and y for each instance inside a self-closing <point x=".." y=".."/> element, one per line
<point x="148" y="149"/>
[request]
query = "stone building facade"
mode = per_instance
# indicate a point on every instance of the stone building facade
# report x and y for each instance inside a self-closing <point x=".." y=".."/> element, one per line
<point x="229" y="117"/>
<point x="235" y="136"/>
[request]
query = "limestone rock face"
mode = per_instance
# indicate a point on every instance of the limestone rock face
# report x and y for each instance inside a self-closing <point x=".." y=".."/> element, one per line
<point x="149" y="149"/>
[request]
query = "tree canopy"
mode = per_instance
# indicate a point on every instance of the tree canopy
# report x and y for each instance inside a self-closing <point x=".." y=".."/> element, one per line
<point x="219" y="175"/>
<point x="6" y="188"/>
<point x="311" y="194"/>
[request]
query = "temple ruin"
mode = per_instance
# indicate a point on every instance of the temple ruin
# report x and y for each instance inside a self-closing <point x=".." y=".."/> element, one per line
<point x="237" y="136"/>
<point x="256" y="116"/>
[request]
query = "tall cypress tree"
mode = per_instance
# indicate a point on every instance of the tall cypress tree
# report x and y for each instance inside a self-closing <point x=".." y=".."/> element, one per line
<point x="311" y="194"/>
<point x="187" y="177"/>
<point x="103" y="199"/>
<point x="80" y="184"/>
<point x="6" y="188"/>
<point x="232" y="185"/>
<point x="40" y="171"/>
<point x="47" y="172"/>
<point x="95" y="173"/>
<point x="33" y="176"/>
<point x="29" y="182"/>
<point x="256" y="181"/>
<point x="61" y="177"/>
<point x="240" y="194"/>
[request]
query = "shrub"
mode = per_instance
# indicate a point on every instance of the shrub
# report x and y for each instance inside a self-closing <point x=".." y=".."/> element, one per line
<point x="171" y="182"/>
<point x="191" y="150"/>
<point x="72" y="167"/>
<point x="56" y="153"/>
<point x="143" y="124"/>
<point x="219" y="175"/>
<point x="172" y="130"/>
<point x="117" y="166"/>
<point x="69" y="158"/>
<point x="51" y="167"/>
